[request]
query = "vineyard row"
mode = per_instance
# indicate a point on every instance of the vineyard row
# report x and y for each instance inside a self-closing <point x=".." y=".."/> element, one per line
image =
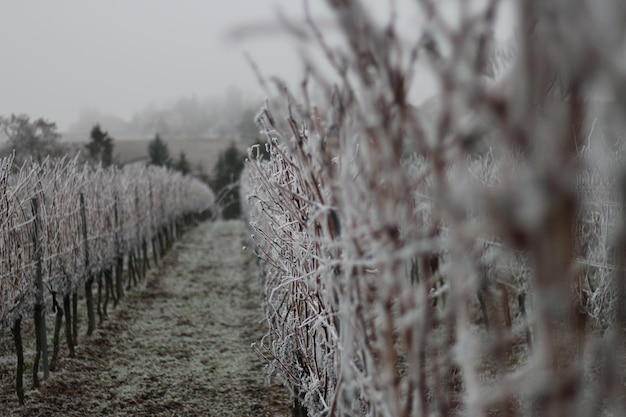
<point x="461" y="258"/>
<point x="66" y="226"/>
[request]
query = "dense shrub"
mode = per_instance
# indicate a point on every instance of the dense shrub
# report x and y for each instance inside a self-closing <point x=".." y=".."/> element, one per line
<point x="225" y="181"/>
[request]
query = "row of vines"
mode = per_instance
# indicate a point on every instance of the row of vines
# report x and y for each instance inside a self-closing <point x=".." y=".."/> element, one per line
<point x="66" y="227"/>
<point x="465" y="260"/>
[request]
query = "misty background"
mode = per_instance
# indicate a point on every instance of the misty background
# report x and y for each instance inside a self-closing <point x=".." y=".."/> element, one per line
<point x="144" y="66"/>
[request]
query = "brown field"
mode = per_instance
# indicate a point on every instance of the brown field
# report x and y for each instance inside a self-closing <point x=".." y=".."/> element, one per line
<point x="199" y="152"/>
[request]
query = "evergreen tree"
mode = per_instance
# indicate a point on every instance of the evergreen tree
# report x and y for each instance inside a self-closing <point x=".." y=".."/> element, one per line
<point x="247" y="127"/>
<point x="183" y="164"/>
<point x="201" y="174"/>
<point x="107" y="152"/>
<point x="225" y="181"/>
<point x="100" y="147"/>
<point x="159" y="153"/>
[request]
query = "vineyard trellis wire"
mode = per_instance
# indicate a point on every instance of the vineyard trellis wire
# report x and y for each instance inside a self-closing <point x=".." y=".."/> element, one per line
<point x="65" y="225"/>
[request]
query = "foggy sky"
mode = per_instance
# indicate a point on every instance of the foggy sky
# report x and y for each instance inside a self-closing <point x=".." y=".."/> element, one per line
<point x="119" y="56"/>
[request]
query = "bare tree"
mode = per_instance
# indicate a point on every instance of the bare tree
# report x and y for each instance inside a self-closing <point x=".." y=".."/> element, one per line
<point x="37" y="139"/>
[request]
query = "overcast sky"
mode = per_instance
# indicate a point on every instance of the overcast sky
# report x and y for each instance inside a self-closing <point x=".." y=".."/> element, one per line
<point x="121" y="55"/>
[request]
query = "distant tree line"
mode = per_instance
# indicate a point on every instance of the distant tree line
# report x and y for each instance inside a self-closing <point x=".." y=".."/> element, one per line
<point x="225" y="178"/>
<point x="100" y="147"/>
<point x="159" y="155"/>
<point x="39" y="139"/>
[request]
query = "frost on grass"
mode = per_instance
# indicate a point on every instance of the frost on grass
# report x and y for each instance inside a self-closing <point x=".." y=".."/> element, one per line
<point x="462" y="257"/>
<point x="179" y="346"/>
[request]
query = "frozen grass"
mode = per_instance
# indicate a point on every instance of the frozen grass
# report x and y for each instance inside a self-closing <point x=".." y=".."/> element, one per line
<point x="179" y="346"/>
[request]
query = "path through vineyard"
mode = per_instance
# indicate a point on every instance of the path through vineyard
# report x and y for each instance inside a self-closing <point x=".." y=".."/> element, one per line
<point x="179" y="347"/>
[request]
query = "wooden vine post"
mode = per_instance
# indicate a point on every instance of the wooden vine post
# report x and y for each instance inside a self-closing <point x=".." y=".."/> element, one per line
<point x="152" y="222"/>
<point x="75" y="318"/>
<point x="19" y="351"/>
<point x="99" y="299"/>
<point x="139" y="266"/>
<point x="56" y="308"/>
<point x="69" y="338"/>
<point x="119" y="267"/>
<point x="108" y="291"/>
<point x="39" y="311"/>
<point x="108" y="276"/>
<point x="161" y="230"/>
<point x="91" y="315"/>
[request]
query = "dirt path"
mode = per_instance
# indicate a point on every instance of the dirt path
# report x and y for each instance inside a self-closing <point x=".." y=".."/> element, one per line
<point x="179" y="347"/>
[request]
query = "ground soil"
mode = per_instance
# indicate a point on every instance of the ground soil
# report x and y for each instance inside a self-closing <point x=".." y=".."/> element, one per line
<point x="178" y="346"/>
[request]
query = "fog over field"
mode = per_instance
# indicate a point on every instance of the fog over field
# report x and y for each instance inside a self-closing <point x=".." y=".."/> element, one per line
<point x="76" y="63"/>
